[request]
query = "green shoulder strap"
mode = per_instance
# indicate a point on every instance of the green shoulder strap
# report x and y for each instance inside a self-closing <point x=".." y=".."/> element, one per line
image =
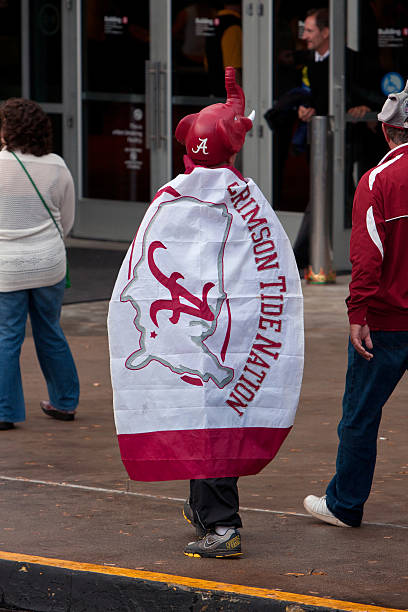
<point x="38" y="192"/>
<point x="67" y="278"/>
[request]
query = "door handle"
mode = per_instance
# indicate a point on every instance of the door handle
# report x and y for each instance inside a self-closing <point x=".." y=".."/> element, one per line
<point x="152" y="105"/>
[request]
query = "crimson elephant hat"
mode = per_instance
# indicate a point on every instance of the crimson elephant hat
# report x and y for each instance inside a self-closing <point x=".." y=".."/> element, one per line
<point x="395" y="110"/>
<point x="218" y="131"/>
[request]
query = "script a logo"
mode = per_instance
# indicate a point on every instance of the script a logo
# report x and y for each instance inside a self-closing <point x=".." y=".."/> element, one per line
<point x="199" y="307"/>
<point x="178" y="293"/>
<point x="201" y="147"/>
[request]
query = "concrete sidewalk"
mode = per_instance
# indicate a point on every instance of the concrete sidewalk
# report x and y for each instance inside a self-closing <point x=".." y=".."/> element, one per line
<point x="71" y="520"/>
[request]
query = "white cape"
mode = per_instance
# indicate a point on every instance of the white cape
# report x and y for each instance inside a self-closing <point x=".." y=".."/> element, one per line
<point x="206" y="332"/>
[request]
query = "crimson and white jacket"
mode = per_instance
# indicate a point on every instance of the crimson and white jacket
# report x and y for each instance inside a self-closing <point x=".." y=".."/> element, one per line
<point x="379" y="245"/>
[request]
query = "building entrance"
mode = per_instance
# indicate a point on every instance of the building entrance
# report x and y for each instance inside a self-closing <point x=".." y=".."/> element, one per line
<point x="115" y="77"/>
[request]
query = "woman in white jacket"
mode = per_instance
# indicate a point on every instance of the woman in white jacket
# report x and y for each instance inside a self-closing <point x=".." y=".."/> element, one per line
<point x="37" y="205"/>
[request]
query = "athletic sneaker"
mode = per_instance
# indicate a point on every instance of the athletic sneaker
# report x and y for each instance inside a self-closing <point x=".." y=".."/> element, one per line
<point x="216" y="546"/>
<point x="189" y="516"/>
<point x="317" y="507"/>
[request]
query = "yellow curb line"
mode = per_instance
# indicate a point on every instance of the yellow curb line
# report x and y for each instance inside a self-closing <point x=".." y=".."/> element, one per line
<point x="208" y="585"/>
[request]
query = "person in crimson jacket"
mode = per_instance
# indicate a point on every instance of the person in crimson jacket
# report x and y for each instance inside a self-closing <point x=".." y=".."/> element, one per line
<point x="378" y="316"/>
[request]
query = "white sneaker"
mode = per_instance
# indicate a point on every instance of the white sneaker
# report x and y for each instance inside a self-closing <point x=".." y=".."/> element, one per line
<point x="317" y="507"/>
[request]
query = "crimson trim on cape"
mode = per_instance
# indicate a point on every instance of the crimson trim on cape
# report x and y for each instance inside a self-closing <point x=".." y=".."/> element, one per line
<point x="184" y="454"/>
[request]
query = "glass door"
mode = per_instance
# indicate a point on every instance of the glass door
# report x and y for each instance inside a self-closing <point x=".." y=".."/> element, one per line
<point x="373" y="64"/>
<point x="114" y="160"/>
<point x="10" y="50"/>
<point x="116" y="164"/>
<point x="206" y="37"/>
<point x="41" y="59"/>
<point x="144" y="66"/>
<point x="290" y="135"/>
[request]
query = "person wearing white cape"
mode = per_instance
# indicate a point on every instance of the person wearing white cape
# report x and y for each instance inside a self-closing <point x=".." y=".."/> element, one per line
<point x="206" y="330"/>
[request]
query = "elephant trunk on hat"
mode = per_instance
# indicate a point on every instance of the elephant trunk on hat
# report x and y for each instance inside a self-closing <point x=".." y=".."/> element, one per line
<point x="217" y="132"/>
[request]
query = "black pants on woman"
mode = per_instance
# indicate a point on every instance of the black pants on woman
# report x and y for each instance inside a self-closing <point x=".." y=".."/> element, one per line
<point x="215" y="501"/>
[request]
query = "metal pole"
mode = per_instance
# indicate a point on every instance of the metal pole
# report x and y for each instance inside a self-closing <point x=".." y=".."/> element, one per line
<point x="337" y="113"/>
<point x="321" y="260"/>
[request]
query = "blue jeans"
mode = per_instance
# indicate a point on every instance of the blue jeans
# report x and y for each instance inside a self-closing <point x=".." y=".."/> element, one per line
<point x="369" y="384"/>
<point x="44" y="307"/>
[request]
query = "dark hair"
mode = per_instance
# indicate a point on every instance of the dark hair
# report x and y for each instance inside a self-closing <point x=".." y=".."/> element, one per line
<point x="25" y="126"/>
<point x="397" y="135"/>
<point x="321" y="16"/>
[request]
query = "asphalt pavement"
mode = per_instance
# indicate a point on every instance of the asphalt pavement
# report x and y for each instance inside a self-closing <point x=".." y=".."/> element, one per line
<point x="76" y="534"/>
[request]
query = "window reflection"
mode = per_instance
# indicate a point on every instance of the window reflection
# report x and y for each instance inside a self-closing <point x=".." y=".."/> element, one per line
<point x="381" y="68"/>
<point x="290" y="146"/>
<point x="207" y="36"/>
<point x="117" y="165"/>
<point x="56" y="122"/>
<point x="45" y="50"/>
<point x="116" y="45"/>
<point x="10" y="49"/>
<point x="376" y="64"/>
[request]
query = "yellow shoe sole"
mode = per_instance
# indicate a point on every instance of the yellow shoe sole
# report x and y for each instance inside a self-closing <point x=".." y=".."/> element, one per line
<point x="196" y="555"/>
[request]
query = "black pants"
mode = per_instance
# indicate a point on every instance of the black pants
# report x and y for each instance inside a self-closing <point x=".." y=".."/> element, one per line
<point x="215" y="501"/>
